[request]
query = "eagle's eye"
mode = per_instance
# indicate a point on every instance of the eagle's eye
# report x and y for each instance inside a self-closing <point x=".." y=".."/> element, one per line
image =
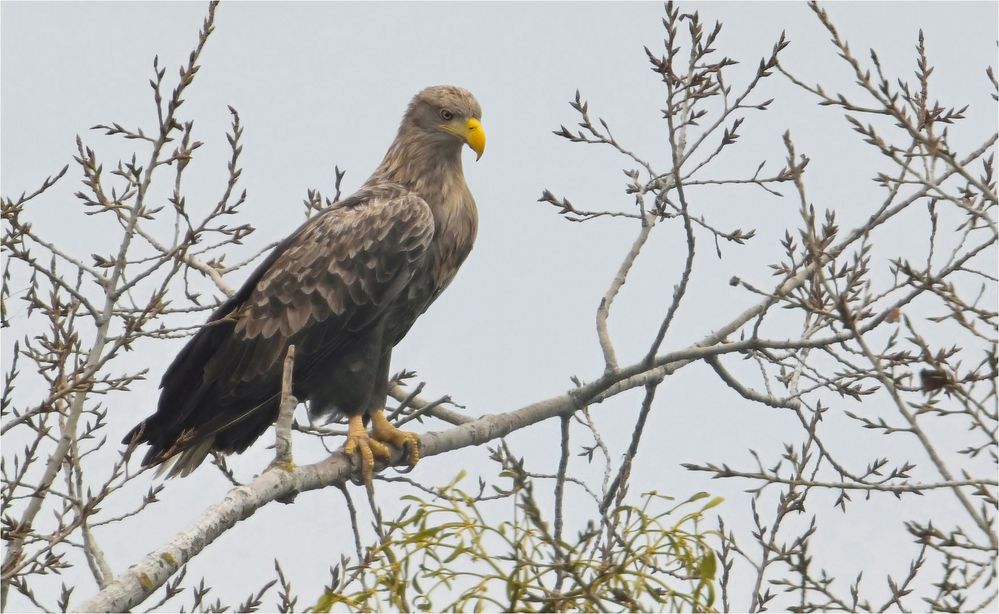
<point x="446" y="115"/>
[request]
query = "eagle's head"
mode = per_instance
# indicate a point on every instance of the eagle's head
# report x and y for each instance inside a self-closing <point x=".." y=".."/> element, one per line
<point x="447" y="116"/>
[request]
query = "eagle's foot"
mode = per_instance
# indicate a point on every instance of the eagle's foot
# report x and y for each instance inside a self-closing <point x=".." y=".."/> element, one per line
<point x="383" y="431"/>
<point x="365" y="446"/>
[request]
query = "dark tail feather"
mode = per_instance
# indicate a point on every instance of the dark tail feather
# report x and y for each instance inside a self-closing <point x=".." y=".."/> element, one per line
<point x="184" y="463"/>
<point x="181" y="453"/>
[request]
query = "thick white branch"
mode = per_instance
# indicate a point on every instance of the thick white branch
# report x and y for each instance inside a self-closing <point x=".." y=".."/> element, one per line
<point x="136" y="584"/>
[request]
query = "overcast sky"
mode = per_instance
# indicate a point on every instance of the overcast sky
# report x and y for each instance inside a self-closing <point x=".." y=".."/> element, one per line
<point x="318" y="84"/>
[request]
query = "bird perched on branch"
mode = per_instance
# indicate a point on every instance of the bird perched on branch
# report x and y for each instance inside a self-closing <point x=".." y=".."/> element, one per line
<point x="344" y="289"/>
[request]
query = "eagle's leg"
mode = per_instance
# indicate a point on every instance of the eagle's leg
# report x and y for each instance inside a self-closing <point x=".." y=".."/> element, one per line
<point x="383" y="431"/>
<point x="367" y="447"/>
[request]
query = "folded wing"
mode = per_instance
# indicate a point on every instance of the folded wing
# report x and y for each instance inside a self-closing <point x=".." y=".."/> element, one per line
<point x="321" y="289"/>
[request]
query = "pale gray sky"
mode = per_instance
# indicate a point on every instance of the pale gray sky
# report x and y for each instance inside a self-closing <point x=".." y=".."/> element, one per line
<point x="318" y="84"/>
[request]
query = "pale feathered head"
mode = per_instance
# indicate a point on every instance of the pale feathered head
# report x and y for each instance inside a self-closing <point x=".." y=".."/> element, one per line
<point x="445" y="114"/>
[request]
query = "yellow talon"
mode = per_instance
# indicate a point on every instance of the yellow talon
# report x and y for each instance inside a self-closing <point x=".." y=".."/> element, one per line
<point x="383" y="431"/>
<point x="372" y="447"/>
<point x="369" y="449"/>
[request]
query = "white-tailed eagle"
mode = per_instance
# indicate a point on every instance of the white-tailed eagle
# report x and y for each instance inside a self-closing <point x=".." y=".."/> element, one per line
<point x="344" y="289"/>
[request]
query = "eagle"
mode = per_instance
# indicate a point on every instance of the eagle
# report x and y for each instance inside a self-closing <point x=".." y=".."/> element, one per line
<point x="344" y="289"/>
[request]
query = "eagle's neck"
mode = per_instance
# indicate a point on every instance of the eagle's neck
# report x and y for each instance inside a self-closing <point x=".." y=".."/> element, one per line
<point x="423" y="163"/>
<point x="431" y="168"/>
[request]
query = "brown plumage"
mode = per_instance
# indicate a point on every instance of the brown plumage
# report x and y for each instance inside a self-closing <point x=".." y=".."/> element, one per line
<point x="344" y="289"/>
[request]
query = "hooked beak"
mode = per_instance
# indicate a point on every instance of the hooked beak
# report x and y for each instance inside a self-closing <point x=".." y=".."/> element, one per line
<point x="475" y="136"/>
<point x="471" y="132"/>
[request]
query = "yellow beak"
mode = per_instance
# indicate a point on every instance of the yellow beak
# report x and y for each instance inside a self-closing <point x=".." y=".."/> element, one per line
<point x="472" y="133"/>
<point x="475" y="136"/>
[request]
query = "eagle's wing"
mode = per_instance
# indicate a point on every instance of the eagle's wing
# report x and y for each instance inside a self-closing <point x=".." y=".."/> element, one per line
<point x="321" y="287"/>
<point x="337" y="276"/>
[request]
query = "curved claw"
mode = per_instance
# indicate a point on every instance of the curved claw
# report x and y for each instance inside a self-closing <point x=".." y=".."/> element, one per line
<point x="369" y="449"/>
<point x="383" y="431"/>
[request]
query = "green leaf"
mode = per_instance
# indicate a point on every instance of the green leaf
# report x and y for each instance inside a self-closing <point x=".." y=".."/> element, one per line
<point x="708" y="566"/>
<point x="457" y="552"/>
<point x="425" y="533"/>
<point x="713" y="503"/>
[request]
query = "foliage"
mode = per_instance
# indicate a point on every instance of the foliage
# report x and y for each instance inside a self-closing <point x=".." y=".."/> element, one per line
<point x="445" y="554"/>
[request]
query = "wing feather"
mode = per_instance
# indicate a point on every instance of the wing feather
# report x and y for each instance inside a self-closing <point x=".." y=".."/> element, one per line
<point x="339" y="274"/>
